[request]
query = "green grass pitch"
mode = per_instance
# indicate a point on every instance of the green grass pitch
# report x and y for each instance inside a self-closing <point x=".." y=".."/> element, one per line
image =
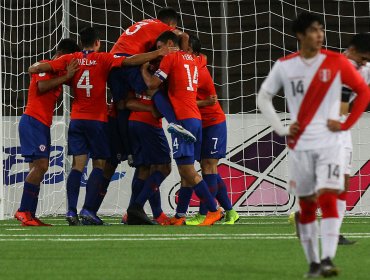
<point x="256" y="248"/>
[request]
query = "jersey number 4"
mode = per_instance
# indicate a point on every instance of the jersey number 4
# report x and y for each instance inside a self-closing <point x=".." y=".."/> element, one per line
<point x="84" y="82"/>
<point x="193" y="79"/>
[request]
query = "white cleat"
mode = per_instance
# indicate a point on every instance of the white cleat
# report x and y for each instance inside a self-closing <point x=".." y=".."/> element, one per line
<point x="181" y="132"/>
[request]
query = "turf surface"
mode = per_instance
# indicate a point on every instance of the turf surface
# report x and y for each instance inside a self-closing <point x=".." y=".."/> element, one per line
<point x="256" y="248"/>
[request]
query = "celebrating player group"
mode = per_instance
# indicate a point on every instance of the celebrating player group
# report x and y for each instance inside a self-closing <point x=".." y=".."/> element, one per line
<point x="155" y="71"/>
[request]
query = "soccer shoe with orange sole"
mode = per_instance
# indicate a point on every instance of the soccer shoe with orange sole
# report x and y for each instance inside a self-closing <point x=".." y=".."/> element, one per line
<point x="26" y="219"/>
<point x="177" y="221"/>
<point x="41" y="223"/>
<point x="212" y="217"/>
<point x="163" y="219"/>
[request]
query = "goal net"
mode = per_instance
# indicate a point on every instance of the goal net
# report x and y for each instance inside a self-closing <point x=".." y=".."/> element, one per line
<point x="242" y="40"/>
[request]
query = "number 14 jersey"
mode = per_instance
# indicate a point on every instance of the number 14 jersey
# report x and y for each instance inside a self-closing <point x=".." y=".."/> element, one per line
<point x="312" y="88"/>
<point x="89" y="82"/>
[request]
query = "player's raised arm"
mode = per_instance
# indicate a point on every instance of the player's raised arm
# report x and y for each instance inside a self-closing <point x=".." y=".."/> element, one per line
<point x="183" y="38"/>
<point x="151" y="81"/>
<point x="39" y="68"/>
<point x="140" y="59"/>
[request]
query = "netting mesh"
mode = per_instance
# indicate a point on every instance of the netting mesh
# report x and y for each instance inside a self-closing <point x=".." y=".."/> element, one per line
<point x="242" y="40"/>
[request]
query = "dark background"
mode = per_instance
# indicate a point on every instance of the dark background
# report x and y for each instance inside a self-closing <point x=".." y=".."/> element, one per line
<point x="241" y="47"/>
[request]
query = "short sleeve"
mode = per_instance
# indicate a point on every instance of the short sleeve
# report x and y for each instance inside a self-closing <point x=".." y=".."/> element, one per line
<point x="114" y="60"/>
<point x="60" y="63"/>
<point x="164" y="68"/>
<point x="273" y="83"/>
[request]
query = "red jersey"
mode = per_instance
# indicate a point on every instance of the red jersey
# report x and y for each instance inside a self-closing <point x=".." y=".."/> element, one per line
<point x="41" y="105"/>
<point x="140" y="37"/>
<point x="145" y="117"/>
<point x="213" y="114"/>
<point x="89" y="82"/>
<point x="181" y="71"/>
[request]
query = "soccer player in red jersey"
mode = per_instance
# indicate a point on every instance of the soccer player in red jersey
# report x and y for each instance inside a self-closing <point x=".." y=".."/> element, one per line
<point x="87" y="133"/>
<point x="214" y="138"/>
<point x="180" y="69"/>
<point x="34" y="130"/>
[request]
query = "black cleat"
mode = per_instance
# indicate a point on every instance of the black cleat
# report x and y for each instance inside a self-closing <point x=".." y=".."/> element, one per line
<point x="90" y="219"/>
<point x="137" y="216"/>
<point x="72" y="219"/>
<point x="328" y="269"/>
<point x="344" y="241"/>
<point x="314" y="271"/>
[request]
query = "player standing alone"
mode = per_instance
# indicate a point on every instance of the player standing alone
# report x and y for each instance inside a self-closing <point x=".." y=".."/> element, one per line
<point x="34" y="131"/>
<point x="312" y="80"/>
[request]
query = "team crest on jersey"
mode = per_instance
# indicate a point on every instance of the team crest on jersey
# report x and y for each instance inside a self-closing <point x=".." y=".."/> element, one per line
<point x="42" y="148"/>
<point x="324" y="75"/>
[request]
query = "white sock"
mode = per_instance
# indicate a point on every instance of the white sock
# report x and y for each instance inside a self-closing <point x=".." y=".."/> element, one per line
<point x="329" y="228"/>
<point x="310" y="241"/>
<point x="341" y="206"/>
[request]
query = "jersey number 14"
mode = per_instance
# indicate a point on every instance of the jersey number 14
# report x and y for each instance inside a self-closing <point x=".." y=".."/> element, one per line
<point x="193" y="79"/>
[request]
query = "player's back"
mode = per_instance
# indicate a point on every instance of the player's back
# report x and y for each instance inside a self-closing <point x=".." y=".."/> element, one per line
<point x="182" y="71"/>
<point x="213" y="114"/>
<point x="140" y="37"/>
<point x="41" y="105"/>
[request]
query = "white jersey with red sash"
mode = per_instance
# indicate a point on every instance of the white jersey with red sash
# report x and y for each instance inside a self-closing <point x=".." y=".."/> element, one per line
<point x="313" y="91"/>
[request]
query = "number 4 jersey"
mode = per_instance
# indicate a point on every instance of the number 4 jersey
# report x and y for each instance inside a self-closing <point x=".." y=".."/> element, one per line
<point x="89" y="82"/>
<point x="312" y="88"/>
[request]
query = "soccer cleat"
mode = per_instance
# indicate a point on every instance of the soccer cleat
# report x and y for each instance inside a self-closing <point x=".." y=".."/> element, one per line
<point x="124" y="219"/>
<point x="137" y="216"/>
<point x="212" y="217"/>
<point x="72" y="218"/>
<point x="328" y="269"/>
<point x="231" y="217"/>
<point x="163" y="219"/>
<point x="314" y="271"/>
<point x="181" y="132"/>
<point x="196" y="220"/>
<point x="89" y="218"/>
<point x="344" y="241"/>
<point x="26" y="219"/>
<point x="174" y="221"/>
<point x="41" y="223"/>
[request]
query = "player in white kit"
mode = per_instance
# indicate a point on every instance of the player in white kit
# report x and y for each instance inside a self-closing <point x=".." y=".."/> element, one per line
<point x="358" y="53"/>
<point x="312" y="80"/>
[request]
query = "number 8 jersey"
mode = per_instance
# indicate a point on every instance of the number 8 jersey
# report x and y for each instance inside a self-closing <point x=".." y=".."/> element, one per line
<point x="313" y="91"/>
<point x="181" y="71"/>
<point x="89" y="82"/>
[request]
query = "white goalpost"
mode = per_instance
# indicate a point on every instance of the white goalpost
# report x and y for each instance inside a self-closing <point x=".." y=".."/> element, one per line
<point x="242" y="40"/>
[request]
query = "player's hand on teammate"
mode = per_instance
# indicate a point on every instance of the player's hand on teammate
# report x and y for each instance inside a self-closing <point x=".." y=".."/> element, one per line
<point x="334" y="125"/>
<point x="294" y="129"/>
<point x="72" y="68"/>
<point x="212" y="100"/>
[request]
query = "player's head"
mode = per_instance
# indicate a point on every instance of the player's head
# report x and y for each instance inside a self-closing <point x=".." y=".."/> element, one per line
<point x="308" y="28"/>
<point x="167" y="38"/>
<point x="89" y="38"/>
<point x="67" y="46"/>
<point x="168" y="16"/>
<point x="195" y="46"/>
<point x="359" y="48"/>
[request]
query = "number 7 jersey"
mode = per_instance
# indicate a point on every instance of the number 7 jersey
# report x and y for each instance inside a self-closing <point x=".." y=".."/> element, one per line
<point x="312" y="88"/>
<point x="89" y="82"/>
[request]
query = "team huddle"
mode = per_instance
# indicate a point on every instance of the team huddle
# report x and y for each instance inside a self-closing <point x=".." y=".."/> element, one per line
<point x="153" y="71"/>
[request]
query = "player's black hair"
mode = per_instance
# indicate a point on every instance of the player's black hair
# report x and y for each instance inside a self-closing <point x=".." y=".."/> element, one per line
<point x="195" y="44"/>
<point x="361" y="42"/>
<point x="168" y="15"/>
<point x="88" y="36"/>
<point x="67" y="46"/>
<point x="303" y="21"/>
<point x="167" y="36"/>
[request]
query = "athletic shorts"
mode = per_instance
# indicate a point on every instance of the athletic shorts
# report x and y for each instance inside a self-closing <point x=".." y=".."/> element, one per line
<point x="214" y="140"/>
<point x="34" y="137"/>
<point x="88" y="137"/>
<point x="123" y="79"/>
<point x="183" y="152"/>
<point x="117" y="151"/>
<point x="149" y="144"/>
<point x="312" y="170"/>
<point x="348" y="150"/>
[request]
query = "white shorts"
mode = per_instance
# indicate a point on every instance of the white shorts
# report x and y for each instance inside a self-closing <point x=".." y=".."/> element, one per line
<point x="348" y="149"/>
<point x="312" y="170"/>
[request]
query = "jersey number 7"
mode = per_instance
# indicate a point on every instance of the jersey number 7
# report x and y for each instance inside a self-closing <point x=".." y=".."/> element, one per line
<point x="84" y="82"/>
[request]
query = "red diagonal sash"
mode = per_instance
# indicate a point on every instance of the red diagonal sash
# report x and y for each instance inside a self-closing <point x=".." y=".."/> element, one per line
<point x="315" y="94"/>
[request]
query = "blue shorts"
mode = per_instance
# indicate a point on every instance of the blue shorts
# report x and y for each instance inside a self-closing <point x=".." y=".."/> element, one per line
<point x="214" y="141"/>
<point x="88" y="137"/>
<point x="123" y="79"/>
<point x="149" y="144"/>
<point x="117" y="151"/>
<point x="187" y="153"/>
<point x="34" y="137"/>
